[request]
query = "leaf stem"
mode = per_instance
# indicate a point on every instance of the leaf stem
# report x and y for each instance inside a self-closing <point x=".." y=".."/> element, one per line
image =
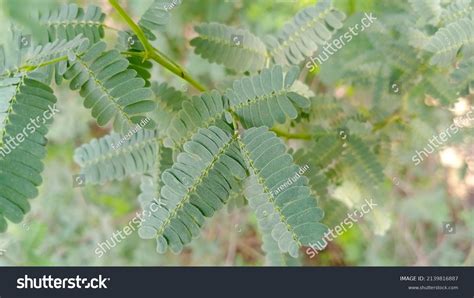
<point x="29" y="67"/>
<point x="152" y="53"/>
<point x="46" y="63"/>
<point x="289" y="135"/>
<point x="395" y="116"/>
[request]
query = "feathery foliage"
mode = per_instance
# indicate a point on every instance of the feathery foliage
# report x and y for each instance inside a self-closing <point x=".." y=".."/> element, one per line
<point x="237" y="49"/>
<point x="291" y="216"/>
<point x="311" y="28"/>
<point x="244" y="139"/>
<point x="115" y="157"/>
<point x="69" y="21"/>
<point x="266" y="98"/>
<point x="200" y="111"/>
<point x="22" y="143"/>
<point x="446" y="43"/>
<point x="157" y="16"/>
<point x="196" y="186"/>
<point x="109" y="88"/>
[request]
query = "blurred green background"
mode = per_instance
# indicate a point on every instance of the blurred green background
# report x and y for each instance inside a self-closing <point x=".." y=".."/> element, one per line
<point x="66" y="223"/>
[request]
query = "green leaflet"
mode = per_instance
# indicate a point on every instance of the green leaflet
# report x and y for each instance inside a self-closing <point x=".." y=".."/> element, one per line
<point x="326" y="111"/>
<point x="151" y="183"/>
<point x="362" y="163"/>
<point x="236" y="49"/>
<point x="273" y="256"/>
<point x="428" y="11"/>
<point x="69" y="21"/>
<point x="266" y="98"/>
<point x="417" y="38"/>
<point x="21" y="99"/>
<point x="195" y="187"/>
<point x="201" y="111"/>
<point x="142" y="67"/>
<point x="157" y="16"/>
<point x="456" y="10"/>
<point x="137" y="153"/>
<point x="398" y="55"/>
<point x="236" y="199"/>
<point x="464" y="75"/>
<point x="290" y="213"/>
<point x="333" y="152"/>
<point x="129" y="42"/>
<point x="109" y="88"/>
<point x="116" y="156"/>
<point x="168" y="101"/>
<point x="57" y="49"/>
<point x="263" y="99"/>
<point x="327" y="149"/>
<point x="309" y="29"/>
<point x="334" y="212"/>
<point x="317" y="179"/>
<point x="439" y="88"/>
<point x="447" y="41"/>
<point x="54" y="50"/>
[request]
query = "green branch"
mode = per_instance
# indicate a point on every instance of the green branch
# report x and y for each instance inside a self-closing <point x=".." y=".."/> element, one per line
<point x="152" y="53"/>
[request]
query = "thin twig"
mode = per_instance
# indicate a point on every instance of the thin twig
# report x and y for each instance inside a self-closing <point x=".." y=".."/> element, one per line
<point x="154" y="54"/>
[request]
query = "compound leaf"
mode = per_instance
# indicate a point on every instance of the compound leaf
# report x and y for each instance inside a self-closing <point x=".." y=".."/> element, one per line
<point x="281" y="200"/>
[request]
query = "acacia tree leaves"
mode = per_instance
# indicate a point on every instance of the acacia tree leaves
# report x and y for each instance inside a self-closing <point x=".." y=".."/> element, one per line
<point x="362" y="164"/>
<point x="55" y="50"/>
<point x="290" y="214"/>
<point x="236" y="49"/>
<point x="201" y="111"/>
<point x="109" y="88"/>
<point x="308" y="30"/>
<point x="456" y="9"/>
<point x="349" y="156"/>
<point x="116" y="156"/>
<point x="195" y="187"/>
<point x="464" y="75"/>
<point x="263" y="99"/>
<point x="266" y="98"/>
<point x="157" y="16"/>
<point x="22" y="143"/>
<point x="439" y="88"/>
<point x="151" y="183"/>
<point x="69" y="21"/>
<point x="429" y="11"/>
<point x="168" y="101"/>
<point x="447" y="41"/>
